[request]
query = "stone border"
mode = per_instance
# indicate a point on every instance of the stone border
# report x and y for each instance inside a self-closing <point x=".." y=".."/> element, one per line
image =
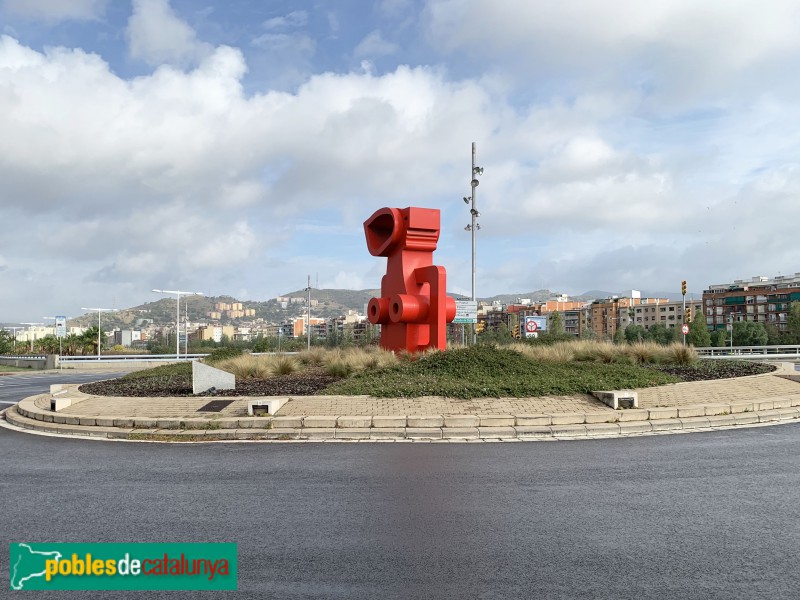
<point x="495" y="427"/>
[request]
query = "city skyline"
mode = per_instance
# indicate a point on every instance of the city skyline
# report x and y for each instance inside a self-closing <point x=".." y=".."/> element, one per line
<point x="234" y="148"/>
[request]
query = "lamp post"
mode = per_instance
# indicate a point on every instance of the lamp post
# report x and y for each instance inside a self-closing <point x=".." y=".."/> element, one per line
<point x="14" y="331"/>
<point x="473" y="226"/>
<point x="30" y="329"/>
<point x="99" y="312"/>
<point x="178" y="295"/>
<point x="308" y="313"/>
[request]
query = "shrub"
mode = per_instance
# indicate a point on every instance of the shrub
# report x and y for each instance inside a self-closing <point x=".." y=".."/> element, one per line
<point x="283" y="365"/>
<point x="223" y="353"/>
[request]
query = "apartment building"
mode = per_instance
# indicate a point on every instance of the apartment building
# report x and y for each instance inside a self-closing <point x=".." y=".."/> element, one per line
<point x="760" y="300"/>
<point x="669" y="314"/>
<point x="610" y="314"/>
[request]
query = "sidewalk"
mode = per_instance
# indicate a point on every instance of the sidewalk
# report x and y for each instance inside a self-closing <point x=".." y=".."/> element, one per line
<point x="677" y="407"/>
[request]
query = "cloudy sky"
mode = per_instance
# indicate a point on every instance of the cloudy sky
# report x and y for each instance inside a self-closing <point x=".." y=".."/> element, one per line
<point x="235" y="146"/>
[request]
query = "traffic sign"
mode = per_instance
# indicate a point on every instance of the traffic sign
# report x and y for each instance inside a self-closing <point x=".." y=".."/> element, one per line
<point x="61" y="326"/>
<point x="466" y="311"/>
<point x="531" y="326"/>
<point x="684" y="329"/>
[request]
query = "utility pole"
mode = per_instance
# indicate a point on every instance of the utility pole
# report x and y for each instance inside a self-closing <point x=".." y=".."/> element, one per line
<point x="308" y="313"/>
<point x="473" y="226"/>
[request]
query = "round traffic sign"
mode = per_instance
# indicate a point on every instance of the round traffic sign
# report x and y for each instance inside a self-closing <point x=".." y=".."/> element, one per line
<point x="684" y="329"/>
<point x="531" y="326"/>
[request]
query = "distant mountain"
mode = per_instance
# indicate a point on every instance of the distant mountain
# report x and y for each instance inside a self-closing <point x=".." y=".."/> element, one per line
<point x="598" y="294"/>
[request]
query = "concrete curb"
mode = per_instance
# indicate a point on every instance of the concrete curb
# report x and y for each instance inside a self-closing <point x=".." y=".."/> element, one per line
<point x="428" y="428"/>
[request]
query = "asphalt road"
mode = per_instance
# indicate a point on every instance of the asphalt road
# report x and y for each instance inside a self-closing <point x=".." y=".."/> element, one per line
<point x="710" y="515"/>
<point x="14" y="388"/>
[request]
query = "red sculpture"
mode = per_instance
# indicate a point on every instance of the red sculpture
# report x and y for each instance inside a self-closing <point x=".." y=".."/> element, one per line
<point x="413" y="309"/>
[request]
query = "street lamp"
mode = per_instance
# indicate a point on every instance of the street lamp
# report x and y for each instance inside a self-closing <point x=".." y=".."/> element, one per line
<point x="14" y="331"/>
<point x="30" y="327"/>
<point x="178" y="295"/>
<point x="473" y="226"/>
<point x="99" y="312"/>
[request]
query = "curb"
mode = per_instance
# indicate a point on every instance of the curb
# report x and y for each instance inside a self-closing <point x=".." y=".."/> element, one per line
<point x="411" y="428"/>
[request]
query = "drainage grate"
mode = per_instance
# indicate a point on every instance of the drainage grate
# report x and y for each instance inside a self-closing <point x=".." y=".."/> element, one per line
<point x="215" y="406"/>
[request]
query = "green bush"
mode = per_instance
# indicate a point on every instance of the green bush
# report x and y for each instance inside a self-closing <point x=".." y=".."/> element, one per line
<point x="223" y="353"/>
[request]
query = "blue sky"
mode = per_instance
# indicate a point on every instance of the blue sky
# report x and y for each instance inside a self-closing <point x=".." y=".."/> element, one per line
<point x="235" y="147"/>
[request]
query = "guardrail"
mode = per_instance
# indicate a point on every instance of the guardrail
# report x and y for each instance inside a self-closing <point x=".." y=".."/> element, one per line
<point x="116" y="358"/>
<point x="790" y="351"/>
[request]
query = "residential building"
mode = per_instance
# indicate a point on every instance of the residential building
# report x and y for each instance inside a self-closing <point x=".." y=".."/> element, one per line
<point x="760" y="300"/>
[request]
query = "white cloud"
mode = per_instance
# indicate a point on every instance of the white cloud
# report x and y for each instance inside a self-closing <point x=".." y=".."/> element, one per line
<point x="374" y="45"/>
<point x="296" y="18"/>
<point x="156" y="35"/>
<point x="57" y="10"/>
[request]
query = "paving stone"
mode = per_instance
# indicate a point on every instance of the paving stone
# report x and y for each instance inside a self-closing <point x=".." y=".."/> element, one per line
<point x="496" y="420"/>
<point x="352" y="433"/>
<point x="634" y="427"/>
<point x="425" y="421"/>
<point x="695" y="422"/>
<point x="387" y="433"/>
<point x="568" y="430"/>
<point x="663" y="413"/>
<point x="717" y="409"/>
<point x="421" y="433"/>
<point x="634" y="414"/>
<point x="460" y="433"/>
<point x="389" y="421"/>
<point x="610" y="416"/>
<point x="461" y="421"/>
<point x="745" y="418"/>
<point x="533" y="432"/>
<point x="497" y="432"/>
<point x="531" y="420"/>
<point x="602" y="429"/>
<point x="287" y="422"/>
<point x="567" y="419"/>
<point x="722" y="420"/>
<point x="665" y="424"/>
<point x="319" y="421"/>
<point x="354" y="421"/>
<point x="691" y="411"/>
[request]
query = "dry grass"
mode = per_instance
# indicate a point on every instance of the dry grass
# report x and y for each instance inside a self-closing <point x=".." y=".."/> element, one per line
<point x="641" y="353"/>
<point x="340" y="363"/>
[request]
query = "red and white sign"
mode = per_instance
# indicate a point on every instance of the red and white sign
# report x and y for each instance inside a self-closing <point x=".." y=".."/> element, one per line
<point x="685" y="329"/>
<point x="531" y="326"/>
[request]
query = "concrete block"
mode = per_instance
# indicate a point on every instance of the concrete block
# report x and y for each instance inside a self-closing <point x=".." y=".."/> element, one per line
<point x="781" y="403"/>
<point x="219" y="434"/>
<point x="795" y="400"/>
<point x="665" y="424"/>
<point x="119" y="434"/>
<point x="691" y="411"/>
<point x="599" y="429"/>
<point x="354" y="421"/>
<point x="124" y="423"/>
<point x="58" y="403"/>
<point x="634" y="414"/>
<point x="721" y="420"/>
<point x="56" y="387"/>
<point x="717" y="409"/>
<point x="747" y="418"/>
<point x="424" y="433"/>
<point x="626" y="427"/>
<point x="282" y="433"/>
<point x="695" y="422"/>
<point x="88" y="421"/>
<point x="205" y="377"/>
<point x="227" y="423"/>
<point x="391" y="421"/>
<point x="532" y="420"/>
<point x="270" y="405"/>
<point x="496" y="420"/>
<point x="460" y="433"/>
<point x="249" y="434"/>
<point x="387" y="433"/>
<point x="461" y="421"/>
<point x="497" y="432"/>
<point x="72" y="421"/>
<point x="62" y="419"/>
<point x="606" y="416"/>
<point x="141" y="423"/>
<point x="663" y="413"/>
<point x="49" y="419"/>
<point x="777" y="414"/>
<point x="167" y="423"/>
<point x="327" y="422"/>
<point x="568" y="430"/>
<point x="425" y="421"/>
<point x="352" y="433"/>
<point x="318" y="433"/>
<point x="618" y="398"/>
<point x="764" y="405"/>
<point x="533" y="432"/>
<point x="285" y="422"/>
<point x="253" y="423"/>
<point x="567" y="418"/>
<point x="741" y="407"/>
<point x="105" y="422"/>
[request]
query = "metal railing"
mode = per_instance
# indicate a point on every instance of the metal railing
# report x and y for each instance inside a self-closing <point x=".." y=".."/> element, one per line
<point x="790" y="351"/>
<point x="131" y="358"/>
